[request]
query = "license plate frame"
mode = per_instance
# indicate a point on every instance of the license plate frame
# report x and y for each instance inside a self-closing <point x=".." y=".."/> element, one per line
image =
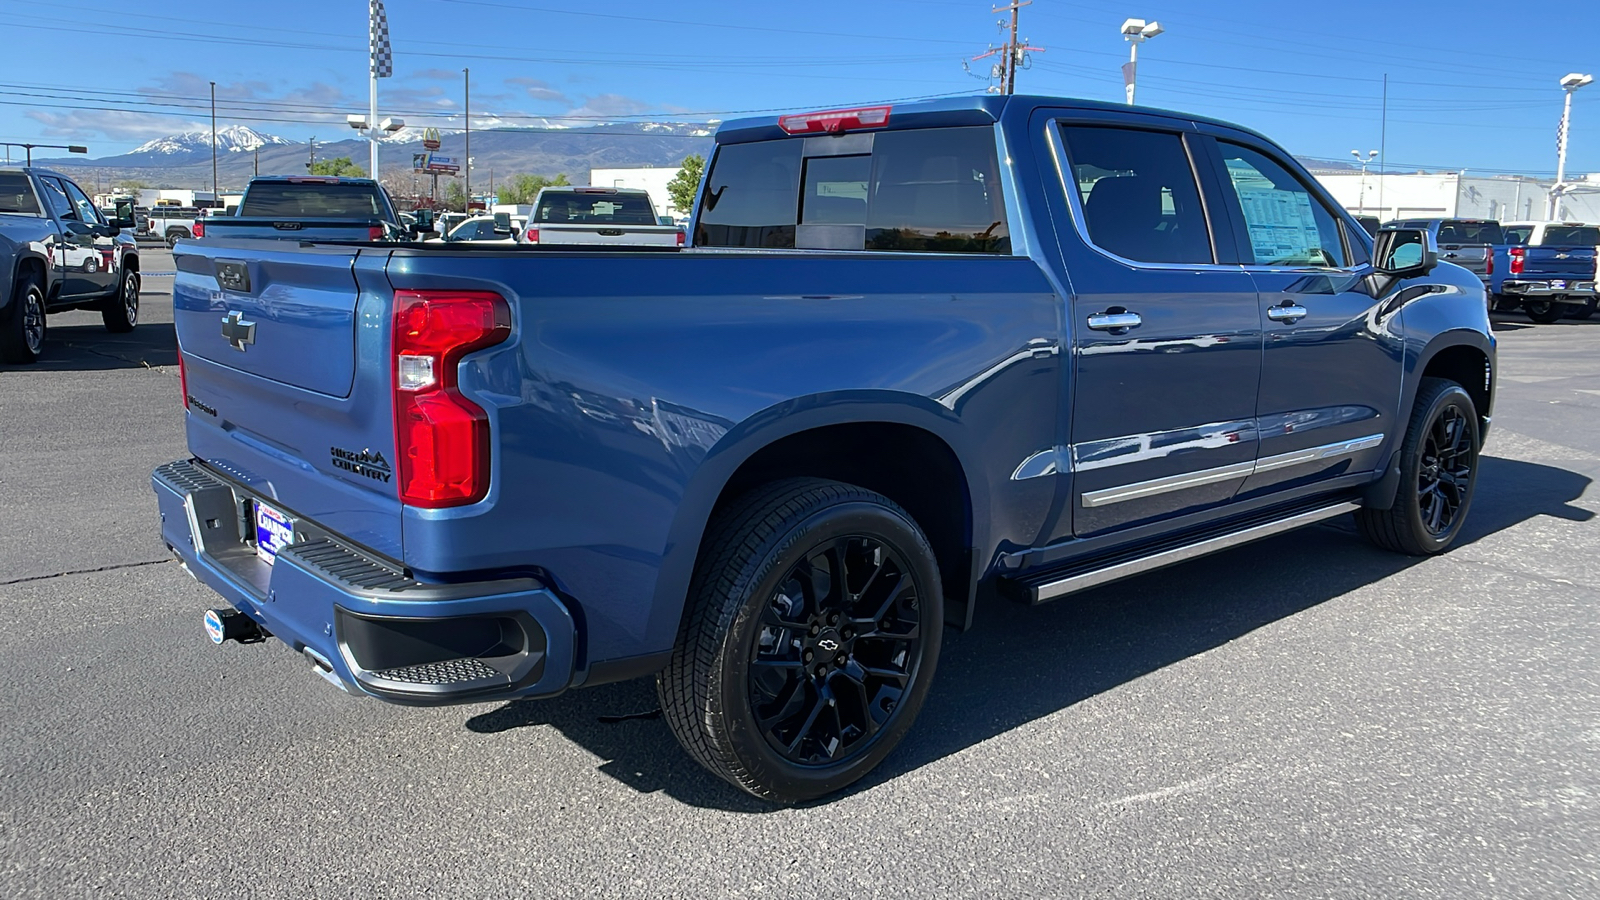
<point x="274" y="531"/>
<point x="1558" y="285"/>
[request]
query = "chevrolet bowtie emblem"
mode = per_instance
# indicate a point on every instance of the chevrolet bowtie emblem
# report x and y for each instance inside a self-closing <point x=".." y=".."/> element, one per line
<point x="238" y="330"/>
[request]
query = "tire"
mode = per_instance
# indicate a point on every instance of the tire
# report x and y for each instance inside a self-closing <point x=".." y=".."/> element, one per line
<point x="176" y="235"/>
<point x="120" y="312"/>
<point x="1545" y="312"/>
<point x="794" y="675"/>
<point x="1438" y="472"/>
<point x="1582" y="312"/>
<point x="23" y="329"/>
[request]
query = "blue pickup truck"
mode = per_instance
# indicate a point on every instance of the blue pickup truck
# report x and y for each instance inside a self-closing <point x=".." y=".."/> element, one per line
<point x="1547" y="268"/>
<point x="915" y="360"/>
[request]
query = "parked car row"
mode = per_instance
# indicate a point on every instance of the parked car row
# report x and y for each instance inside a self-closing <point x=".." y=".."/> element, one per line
<point x="1546" y="269"/>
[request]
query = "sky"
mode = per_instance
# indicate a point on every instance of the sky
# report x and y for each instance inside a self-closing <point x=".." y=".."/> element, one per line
<point x="1471" y="84"/>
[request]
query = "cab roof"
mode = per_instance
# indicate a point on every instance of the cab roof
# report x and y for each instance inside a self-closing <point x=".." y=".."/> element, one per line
<point x="978" y="109"/>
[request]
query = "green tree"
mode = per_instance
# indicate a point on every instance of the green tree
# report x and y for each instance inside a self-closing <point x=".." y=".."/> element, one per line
<point x="455" y="196"/>
<point x="683" y="186"/>
<point x="523" y="188"/>
<point x="339" y="165"/>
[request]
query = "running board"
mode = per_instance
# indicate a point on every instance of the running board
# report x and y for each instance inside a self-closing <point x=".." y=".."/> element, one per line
<point x="1048" y="585"/>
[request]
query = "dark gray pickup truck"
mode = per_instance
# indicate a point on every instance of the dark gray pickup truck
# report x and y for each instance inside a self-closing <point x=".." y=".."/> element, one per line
<point x="59" y="252"/>
<point x="310" y="208"/>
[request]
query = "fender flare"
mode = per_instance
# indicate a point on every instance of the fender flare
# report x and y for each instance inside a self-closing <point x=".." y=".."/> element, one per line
<point x="1381" y="493"/>
<point x="772" y="424"/>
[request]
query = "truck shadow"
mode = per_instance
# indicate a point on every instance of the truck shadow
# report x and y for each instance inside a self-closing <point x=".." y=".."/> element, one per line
<point x="1019" y="664"/>
<point x="89" y="347"/>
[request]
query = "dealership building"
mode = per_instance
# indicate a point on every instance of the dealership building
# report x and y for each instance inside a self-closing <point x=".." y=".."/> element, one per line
<point x="1425" y="195"/>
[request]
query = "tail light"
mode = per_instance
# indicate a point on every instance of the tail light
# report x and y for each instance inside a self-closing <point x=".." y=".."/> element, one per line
<point x="1488" y="261"/>
<point x="183" y="380"/>
<point x="442" y="437"/>
<point x="199" y="229"/>
<point x="377" y="233"/>
<point x="680" y="238"/>
<point x="1519" y="256"/>
<point x="533" y="235"/>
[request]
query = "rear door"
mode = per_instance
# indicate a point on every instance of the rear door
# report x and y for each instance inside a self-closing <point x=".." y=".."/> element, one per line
<point x="1166" y="340"/>
<point x="1331" y="360"/>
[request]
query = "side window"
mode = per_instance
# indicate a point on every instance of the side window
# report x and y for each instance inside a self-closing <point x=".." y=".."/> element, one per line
<point x="85" y="208"/>
<point x="1139" y="196"/>
<point x="1519" y="234"/>
<point x="1287" y="225"/>
<point x="16" y="195"/>
<point x="55" y="196"/>
<point x="751" y="197"/>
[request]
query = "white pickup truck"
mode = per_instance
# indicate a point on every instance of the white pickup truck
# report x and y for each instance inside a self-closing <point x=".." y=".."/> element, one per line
<point x="593" y="216"/>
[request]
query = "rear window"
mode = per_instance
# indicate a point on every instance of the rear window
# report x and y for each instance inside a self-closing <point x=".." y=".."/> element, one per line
<point x="921" y="191"/>
<point x="595" y="209"/>
<point x="1470" y="233"/>
<point x="1518" y="234"/>
<point x="311" y="200"/>
<point x="1572" y="235"/>
<point x="16" y="195"/>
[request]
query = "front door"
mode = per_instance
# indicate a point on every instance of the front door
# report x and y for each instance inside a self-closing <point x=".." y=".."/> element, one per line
<point x="1331" y="367"/>
<point x="94" y="268"/>
<point x="1166" y="342"/>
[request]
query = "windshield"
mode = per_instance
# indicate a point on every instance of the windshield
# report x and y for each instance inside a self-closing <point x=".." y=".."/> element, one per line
<point x="595" y="209"/>
<point x="16" y="196"/>
<point x="1470" y="233"/>
<point x="312" y="200"/>
<point x="1571" y="235"/>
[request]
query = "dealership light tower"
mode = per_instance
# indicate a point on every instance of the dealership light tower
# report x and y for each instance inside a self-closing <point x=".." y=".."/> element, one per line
<point x="1571" y="83"/>
<point x="1136" y="32"/>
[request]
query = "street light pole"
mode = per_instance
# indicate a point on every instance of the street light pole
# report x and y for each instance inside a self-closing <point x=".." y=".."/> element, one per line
<point x="1136" y="32"/>
<point x="1571" y="83"/>
<point x="1371" y="155"/>
<point x="466" y="97"/>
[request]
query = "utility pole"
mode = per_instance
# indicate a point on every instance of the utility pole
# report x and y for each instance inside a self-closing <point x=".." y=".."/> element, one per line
<point x="213" y="140"/>
<point x="1012" y="52"/>
<point x="258" y="161"/>
<point x="466" y="164"/>
<point x="313" y="160"/>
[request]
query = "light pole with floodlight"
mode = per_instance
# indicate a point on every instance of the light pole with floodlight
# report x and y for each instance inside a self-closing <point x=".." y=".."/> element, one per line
<point x="1136" y="32"/>
<point x="1571" y="83"/>
<point x="388" y="125"/>
<point x="1371" y="155"/>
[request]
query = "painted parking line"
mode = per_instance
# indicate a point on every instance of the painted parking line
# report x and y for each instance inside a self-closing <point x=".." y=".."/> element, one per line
<point x="160" y="274"/>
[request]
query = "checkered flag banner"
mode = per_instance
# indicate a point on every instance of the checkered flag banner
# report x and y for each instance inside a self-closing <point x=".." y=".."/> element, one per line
<point x="382" y="56"/>
<point x="1561" y="135"/>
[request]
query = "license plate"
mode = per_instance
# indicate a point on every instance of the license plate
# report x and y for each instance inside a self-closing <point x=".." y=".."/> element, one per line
<point x="1558" y="285"/>
<point x="273" y="532"/>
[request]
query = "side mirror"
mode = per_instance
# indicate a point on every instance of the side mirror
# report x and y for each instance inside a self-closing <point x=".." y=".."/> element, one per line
<point x="502" y="223"/>
<point x="1405" y="253"/>
<point x="424" y="219"/>
<point x="124" y="217"/>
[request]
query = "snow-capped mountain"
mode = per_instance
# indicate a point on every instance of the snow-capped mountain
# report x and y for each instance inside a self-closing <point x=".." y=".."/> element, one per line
<point x="230" y="139"/>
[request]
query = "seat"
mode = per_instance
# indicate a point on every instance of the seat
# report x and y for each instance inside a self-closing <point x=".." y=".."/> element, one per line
<point x="1123" y="213"/>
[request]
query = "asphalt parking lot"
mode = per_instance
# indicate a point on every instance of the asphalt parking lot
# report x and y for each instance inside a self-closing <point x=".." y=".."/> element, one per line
<point x="1305" y="716"/>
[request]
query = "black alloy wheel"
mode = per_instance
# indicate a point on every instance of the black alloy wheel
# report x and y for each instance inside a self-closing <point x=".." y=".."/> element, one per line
<point x="1438" y="472"/>
<point x="1544" y="312"/>
<point x="813" y="629"/>
<point x="120" y="313"/>
<point x="839" y="643"/>
<point x="23" y="330"/>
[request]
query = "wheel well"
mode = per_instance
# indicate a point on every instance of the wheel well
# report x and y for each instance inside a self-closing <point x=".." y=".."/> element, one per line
<point x="32" y="267"/>
<point x="1468" y="367"/>
<point x="909" y="465"/>
<point x="131" y="263"/>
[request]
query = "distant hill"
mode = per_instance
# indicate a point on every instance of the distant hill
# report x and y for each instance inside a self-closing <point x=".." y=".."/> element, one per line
<point x="184" y="160"/>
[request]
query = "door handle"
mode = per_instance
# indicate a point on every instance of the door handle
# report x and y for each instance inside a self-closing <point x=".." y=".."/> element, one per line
<point x="1114" y="320"/>
<point x="1288" y="313"/>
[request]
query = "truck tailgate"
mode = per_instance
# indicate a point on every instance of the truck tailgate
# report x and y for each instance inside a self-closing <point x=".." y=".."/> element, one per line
<point x="1559" y="262"/>
<point x="607" y="235"/>
<point x="1472" y="257"/>
<point x="270" y="335"/>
